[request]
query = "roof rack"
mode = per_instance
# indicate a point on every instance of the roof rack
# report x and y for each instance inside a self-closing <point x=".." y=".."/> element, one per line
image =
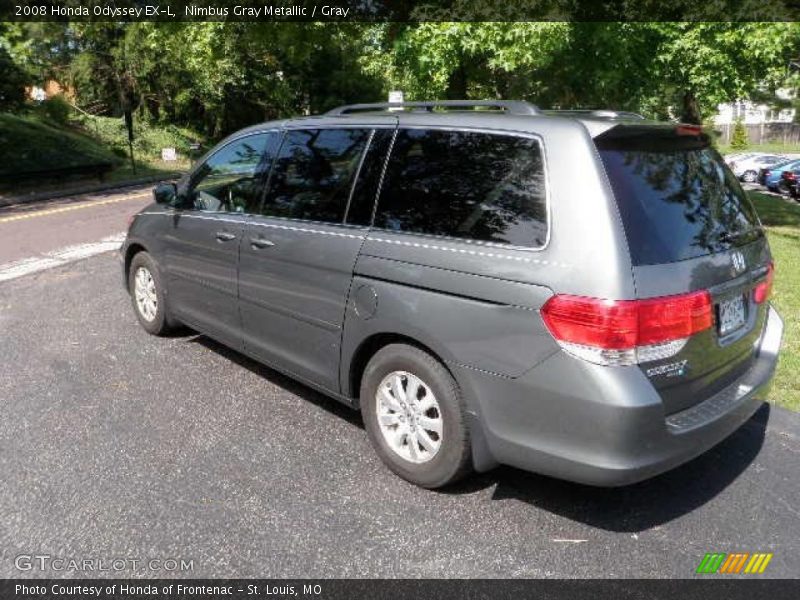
<point x="602" y="113"/>
<point x="512" y="107"/>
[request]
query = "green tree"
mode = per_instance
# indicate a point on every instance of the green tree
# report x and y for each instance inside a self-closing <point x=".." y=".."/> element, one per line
<point x="739" y="140"/>
<point x="12" y="83"/>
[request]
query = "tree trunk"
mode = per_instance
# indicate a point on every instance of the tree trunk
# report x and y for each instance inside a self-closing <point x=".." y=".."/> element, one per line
<point x="691" y="111"/>
<point x="457" y="86"/>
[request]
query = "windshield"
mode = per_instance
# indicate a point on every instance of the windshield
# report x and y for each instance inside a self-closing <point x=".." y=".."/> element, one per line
<point x="676" y="197"/>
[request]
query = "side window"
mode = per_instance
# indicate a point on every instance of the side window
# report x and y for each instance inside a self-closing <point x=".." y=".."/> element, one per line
<point x="314" y="172"/>
<point x="231" y="179"/>
<point x="359" y="212"/>
<point x="481" y="186"/>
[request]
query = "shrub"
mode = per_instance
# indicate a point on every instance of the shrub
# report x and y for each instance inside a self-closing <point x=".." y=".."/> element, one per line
<point x="12" y="83"/>
<point x="56" y="109"/>
<point x="739" y="139"/>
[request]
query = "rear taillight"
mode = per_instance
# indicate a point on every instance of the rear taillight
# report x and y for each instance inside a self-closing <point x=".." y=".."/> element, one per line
<point x="626" y="332"/>
<point x="763" y="290"/>
<point x="688" y="130"/>
<point x="788" y="175"/>
<point x="766" y="172"/>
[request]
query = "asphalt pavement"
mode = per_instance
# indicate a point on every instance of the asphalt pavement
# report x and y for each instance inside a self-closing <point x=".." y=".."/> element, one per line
<point x="34" y="230"/>
<point x="116" y="444"/>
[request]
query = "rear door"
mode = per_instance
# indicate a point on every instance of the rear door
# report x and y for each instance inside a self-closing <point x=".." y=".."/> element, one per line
<point x="690" y="226"/>
<point x="298" y="255"/>
<point x="204" y="232"/>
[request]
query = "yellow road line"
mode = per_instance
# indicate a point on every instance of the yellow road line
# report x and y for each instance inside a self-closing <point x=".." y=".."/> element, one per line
<point x="62" y="209"/>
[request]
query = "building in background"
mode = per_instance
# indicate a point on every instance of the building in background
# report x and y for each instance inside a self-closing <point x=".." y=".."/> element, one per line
<point x="765" y="123"/>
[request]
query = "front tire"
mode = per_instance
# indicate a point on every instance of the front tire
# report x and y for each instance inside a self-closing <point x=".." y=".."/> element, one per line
<point x="147" y="294"/>
<point x="415" y="417"/>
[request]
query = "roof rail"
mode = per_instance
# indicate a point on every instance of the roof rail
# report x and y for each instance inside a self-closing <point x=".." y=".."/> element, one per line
<point x="602" y="113"/>
<point x="512" y="107"/>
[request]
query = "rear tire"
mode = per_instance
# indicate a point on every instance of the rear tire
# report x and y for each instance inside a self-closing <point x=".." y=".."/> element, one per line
<point x="147" y="294"/>
<point x="415" y="417"/>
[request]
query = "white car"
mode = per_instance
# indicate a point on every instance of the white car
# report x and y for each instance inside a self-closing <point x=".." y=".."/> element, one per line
<point x="731" y="158"/>
<point x="746" y="168"/>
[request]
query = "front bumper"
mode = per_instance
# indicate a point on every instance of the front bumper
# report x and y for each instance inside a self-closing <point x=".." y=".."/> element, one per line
<point x="605" y="426"/>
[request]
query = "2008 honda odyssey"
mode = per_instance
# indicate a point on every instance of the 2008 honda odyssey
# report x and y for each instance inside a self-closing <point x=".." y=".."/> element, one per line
<point x="580" y="294"/>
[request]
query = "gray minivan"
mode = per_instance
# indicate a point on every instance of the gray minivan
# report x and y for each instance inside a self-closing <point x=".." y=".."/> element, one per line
<point x="579" y="294"/>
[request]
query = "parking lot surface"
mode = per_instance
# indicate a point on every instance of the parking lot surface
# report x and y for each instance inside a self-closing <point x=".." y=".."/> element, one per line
<point x="116" y="444"/>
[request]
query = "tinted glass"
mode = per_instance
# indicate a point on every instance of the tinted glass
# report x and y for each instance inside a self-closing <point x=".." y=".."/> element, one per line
<point x="314" y="172"/>
<point x="465" y="184"/>
<point x="231" y="179"/>
<point x="677" y="198"/>
<point x="363" y="200"/>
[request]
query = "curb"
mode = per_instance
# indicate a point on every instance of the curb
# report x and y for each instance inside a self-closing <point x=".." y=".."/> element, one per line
<point x="98" y="187"/>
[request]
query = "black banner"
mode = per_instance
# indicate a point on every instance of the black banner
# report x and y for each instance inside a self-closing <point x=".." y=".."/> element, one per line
<point x="398" y="10"/>
<point x="734" y="588"/>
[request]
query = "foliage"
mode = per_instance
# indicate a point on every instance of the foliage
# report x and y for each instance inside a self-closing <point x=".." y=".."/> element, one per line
<point x="739" y="140"/>
<point x="782" y="220"/>
<point x="27" y="144"/>
<point x="56" y="109"/>
<point x="219" y="76"/>
<point x="149" y="138"/>
<point x="12" y="82"/>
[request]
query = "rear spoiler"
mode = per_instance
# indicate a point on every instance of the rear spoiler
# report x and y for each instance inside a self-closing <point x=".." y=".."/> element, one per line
<point x="652" y="136"/>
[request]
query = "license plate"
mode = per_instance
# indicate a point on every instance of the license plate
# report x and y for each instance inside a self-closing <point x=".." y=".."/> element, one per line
<point x="731" y="315"/>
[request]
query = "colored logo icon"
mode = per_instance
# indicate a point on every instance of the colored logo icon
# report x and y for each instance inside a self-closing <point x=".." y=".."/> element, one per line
<point x="735" y="563"/>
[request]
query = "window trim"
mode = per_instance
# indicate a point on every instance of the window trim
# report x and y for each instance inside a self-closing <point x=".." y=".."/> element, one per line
<point x="189" y="185"/>
<point x="268" y="181"/>
<point x="356" y="175"/>
<point x="502" y="132"/>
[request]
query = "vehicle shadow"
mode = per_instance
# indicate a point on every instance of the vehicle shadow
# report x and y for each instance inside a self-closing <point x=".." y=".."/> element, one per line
<point x="631" y="509"/>
<point x="640" y="506"/>
<point x="287" y="383"/>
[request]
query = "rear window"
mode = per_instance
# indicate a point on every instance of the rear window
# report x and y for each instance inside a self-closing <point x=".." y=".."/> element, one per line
<point x="676" y="197"/>
<point x="463" y="184"/>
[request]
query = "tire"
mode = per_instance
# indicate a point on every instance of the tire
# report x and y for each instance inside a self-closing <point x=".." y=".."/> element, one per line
<point x="749" y="176"/>
<point x="151" y="316"/>
<point x="452" y="458"/>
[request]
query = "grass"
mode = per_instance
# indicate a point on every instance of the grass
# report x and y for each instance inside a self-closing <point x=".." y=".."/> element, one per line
<point x="28" y="144"/>
<point x="782" y="219"/>
<point x="31" y="142"/>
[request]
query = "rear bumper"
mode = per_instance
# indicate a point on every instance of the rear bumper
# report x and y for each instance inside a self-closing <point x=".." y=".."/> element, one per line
<point x="605" y="426"/>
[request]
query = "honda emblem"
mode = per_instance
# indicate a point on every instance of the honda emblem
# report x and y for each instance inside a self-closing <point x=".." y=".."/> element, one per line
<point x="737" y="262"/>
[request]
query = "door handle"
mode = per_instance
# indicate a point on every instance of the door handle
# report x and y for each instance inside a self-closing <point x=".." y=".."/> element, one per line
<point x="259" y="242"/>
<point x="225" y="236"/>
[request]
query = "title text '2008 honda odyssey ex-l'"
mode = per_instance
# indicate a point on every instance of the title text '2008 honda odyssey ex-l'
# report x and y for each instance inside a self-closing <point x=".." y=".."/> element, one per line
<point x="579" y="294"/>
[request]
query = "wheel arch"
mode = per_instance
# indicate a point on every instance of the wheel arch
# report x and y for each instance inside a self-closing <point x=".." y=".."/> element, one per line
<point x="132" y="250"/>
<point x="369" y="346"/>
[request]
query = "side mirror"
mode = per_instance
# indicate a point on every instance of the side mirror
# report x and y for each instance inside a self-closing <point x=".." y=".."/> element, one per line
<point x="164" y="193"/>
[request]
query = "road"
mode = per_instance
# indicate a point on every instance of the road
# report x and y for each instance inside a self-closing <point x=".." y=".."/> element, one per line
<point x="117" y="444"/>
<point x="37" y="236"/>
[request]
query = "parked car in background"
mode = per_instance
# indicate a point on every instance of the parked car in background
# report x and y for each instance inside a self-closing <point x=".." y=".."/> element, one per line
<point x="731" y="158"/>
<point x="770" y="177"/>
<point x="789" y="182"/>
<point x="746" y="169"/>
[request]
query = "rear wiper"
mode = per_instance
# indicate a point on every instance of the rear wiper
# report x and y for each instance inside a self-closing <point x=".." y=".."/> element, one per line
<point x="730" y="236"/>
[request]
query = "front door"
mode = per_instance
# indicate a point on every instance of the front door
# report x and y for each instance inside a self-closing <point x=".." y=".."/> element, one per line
<point x="297" y="257"/>
<point x="204" y="235"/>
